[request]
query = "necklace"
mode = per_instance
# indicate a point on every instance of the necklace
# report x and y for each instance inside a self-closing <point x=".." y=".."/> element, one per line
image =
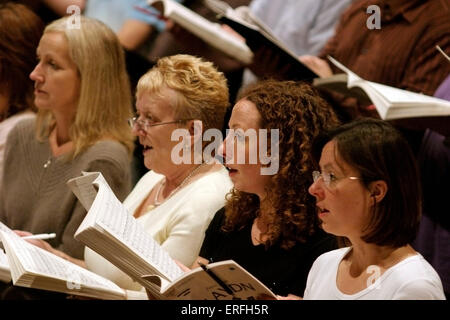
<point x="185" y="180"/>
<point x="48" y="162"/>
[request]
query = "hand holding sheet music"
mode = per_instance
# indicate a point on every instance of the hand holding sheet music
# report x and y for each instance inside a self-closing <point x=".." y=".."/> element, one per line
<point x="391" y="103"/>
<point x="113" y="233"/>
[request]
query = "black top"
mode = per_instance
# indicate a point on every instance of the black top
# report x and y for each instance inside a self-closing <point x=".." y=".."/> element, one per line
<point x="282" y="271"/>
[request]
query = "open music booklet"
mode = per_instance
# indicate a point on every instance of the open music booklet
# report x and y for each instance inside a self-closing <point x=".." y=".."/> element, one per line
<point x="391" y="103"/>
<point x="115" y="234"/>
<point x="210" y="32"/>
<point x="257" y="35"/>
<point x="5" y="270"/>
<point x="33" y="267"/>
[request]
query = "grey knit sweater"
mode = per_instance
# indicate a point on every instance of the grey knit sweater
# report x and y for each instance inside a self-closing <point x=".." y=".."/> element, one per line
<point x="35" y="198"/>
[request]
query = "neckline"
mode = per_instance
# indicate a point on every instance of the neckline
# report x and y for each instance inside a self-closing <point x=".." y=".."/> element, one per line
<point x="374" y="285"/>
<point x="180" y="192"/>
<point x="58" y="150"/>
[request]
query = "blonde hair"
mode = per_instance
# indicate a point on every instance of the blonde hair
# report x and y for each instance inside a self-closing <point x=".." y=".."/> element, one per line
<point x="201" y="91"/>
<point x="104" y="104"/>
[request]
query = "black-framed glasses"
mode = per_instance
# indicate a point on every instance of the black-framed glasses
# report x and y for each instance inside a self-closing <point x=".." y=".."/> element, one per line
<point x="146" y="124"/>
<point x="329" y="179"/>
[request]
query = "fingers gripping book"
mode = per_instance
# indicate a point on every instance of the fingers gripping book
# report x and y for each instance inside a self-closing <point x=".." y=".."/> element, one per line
<point x="208" y="31"/>
<point x="390" y="103"/>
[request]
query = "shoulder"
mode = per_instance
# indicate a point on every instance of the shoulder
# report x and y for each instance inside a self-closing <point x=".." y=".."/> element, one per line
<point x="437" y="8"/>
<point x="144" y="185"/>
<point x="204" y="197"/>
<point x="24" y="128"/>
<point x="208" y="193"/>
<point x="12" y="121"/>
<point x="218" y="220"/>
<point x="112" y="160"/>
<point x="21" y="136"/>
<point x="217" y="182"/>
<point x="414" y="278"/>
<point x="357" y="8"/>
<point x="108" y="150"/>
<point x="434" y="17"/>
<point x="326" y="265"/>
<point x="327" y="258"/>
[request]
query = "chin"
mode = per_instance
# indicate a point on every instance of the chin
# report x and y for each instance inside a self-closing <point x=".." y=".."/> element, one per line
<point x="41" y="105"/>
<point x="148" y="164"/>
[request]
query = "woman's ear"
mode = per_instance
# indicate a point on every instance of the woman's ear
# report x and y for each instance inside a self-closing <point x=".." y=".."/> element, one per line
<point x="378" y="190"/>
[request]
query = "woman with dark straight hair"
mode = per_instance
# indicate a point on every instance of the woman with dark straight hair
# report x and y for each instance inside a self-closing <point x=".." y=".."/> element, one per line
<point x="368" y="191"/>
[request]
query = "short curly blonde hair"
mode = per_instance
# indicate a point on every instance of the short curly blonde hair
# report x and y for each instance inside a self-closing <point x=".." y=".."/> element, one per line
<point x="201" y="91"/>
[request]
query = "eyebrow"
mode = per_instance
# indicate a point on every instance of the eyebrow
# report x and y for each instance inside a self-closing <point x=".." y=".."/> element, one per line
<point x="327" y="166"/>
<point x="236" y="125"/>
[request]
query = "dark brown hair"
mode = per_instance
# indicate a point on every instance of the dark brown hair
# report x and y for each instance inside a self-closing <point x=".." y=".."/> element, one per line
<point x="20" y="32"/>
<point x="379" y="152"/>
<point x="298" y="112"/>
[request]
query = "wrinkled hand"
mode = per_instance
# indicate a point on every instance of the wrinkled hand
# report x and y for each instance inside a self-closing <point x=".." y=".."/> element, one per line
<point x="319" y="66"/>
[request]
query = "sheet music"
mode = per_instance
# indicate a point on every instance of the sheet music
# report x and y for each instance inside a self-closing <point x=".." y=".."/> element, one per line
<point x="84" y="190"/>
<point x="3" y="261"/>
<point x="38" y="261"/>
<point x="5" y="228"/>
<point x="403" y="96"/>
<point x="205" y="29"/>
<point x="5" y="272"/>
<point x="115" y="219"/>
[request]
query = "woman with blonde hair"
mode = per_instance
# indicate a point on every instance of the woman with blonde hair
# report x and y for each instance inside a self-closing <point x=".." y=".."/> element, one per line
<point x="83" y="99"/>
<point x="176" y="200"/>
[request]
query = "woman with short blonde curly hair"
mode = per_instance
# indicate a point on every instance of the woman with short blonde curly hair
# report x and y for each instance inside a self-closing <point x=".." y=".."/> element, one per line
<point x="199" y="91"/>
<point x="269" y="224"/>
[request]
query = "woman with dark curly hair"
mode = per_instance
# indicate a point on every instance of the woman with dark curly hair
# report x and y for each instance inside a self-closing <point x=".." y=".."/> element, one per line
<point x="269" y="225"/>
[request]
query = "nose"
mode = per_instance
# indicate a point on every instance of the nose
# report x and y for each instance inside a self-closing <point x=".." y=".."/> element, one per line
<point x="316" y="189"/>
<point x="224" y="151"/>
<point x="138" y="131"/>
<point x="36" y="75"/>
<point x="220" y="155"/>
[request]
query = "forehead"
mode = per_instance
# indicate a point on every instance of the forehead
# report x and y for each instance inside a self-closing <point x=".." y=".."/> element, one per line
<point x="155" y="104"/>
<point x="331" y="158"/>
<point x="245" y="115"/>
<point x="54" y="43"/>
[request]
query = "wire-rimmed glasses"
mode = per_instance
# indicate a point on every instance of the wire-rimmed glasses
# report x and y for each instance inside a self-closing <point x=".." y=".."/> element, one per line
<point x="145" y="124"/>
<point x="329" y="179"/>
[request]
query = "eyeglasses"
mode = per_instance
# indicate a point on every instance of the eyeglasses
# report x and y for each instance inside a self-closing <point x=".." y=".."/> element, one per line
<point x="145" y="124"/>
<point x="329" y="178"/>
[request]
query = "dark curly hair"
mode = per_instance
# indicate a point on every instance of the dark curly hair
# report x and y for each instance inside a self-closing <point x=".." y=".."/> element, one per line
<point x="300" y="114"/>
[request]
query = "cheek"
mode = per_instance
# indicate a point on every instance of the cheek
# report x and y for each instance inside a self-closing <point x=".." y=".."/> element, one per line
<point x="250" y="176"/>
<point x="352" y="207"/>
